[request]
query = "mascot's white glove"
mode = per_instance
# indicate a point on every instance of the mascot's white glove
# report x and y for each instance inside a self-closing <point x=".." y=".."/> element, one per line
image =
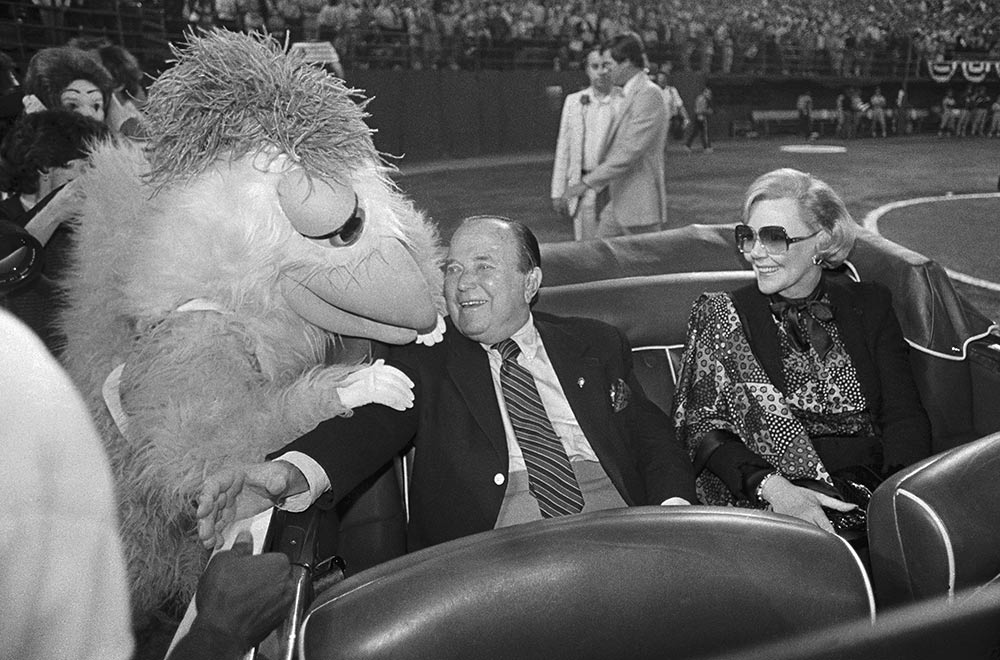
<point x="378" y="383"/>
<point x="434" y="336"/>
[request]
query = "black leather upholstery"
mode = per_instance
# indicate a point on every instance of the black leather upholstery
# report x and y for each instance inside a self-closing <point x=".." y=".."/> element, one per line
<point x="643" y="582"/>
<point x="650" y="310"/>
<point x="687" y="249"/>
<point x="968" y="629"/>
<point x="934" y="528"/>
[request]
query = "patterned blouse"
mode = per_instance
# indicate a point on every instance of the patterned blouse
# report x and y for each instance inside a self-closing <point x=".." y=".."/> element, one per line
<point x="723" y="386"/>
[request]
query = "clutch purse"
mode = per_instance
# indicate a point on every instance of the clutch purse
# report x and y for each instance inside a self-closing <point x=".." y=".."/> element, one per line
<point x="853" y="485"/>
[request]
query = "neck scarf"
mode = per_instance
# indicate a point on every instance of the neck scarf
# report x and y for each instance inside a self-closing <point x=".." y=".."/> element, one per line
<point x="801" y="318"/>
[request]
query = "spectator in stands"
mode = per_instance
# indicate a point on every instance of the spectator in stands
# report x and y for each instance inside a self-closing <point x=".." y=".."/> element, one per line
<point x="480" y="465"/>
<point x="801" y="375"/>
<point x="586" y="117"/>
<point x="804" y="104"/>
<point x="702" y="112"/>
<point x="631" y="171"/>
<point x="877" y="103"/>
<point x="949" y="114"/>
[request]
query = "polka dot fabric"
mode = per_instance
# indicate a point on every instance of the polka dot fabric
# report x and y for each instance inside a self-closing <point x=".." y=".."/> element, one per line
<point x="722" y="386"/>
<point x="824" y="393"/>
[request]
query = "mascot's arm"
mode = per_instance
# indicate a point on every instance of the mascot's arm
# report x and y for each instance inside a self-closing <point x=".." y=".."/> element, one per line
<point x="196" y="399"/>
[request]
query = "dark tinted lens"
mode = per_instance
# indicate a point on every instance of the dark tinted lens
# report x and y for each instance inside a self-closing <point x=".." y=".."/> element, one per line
<point x="744" y="238"/>
<point x="775" y="239"/>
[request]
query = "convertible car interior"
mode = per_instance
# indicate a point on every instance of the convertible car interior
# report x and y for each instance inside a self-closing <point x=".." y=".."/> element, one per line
<point x="698" y="581"/>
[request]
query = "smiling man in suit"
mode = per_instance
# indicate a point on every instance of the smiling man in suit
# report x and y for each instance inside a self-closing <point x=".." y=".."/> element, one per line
<point x="516" y="416"/>
<point x="586" y="117"/>
<point x="630" y="173"/>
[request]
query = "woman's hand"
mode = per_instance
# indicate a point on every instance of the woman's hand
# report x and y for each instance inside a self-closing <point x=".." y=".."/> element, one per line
<point x="803" y="503"/>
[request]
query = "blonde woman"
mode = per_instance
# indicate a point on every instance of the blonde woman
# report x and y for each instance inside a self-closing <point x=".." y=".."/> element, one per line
<point x="801" y="376"/>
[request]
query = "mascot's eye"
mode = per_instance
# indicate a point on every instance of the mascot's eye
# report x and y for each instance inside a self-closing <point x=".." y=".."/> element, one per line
<point x="349" y="232"/>
<point x="321" y="209"/>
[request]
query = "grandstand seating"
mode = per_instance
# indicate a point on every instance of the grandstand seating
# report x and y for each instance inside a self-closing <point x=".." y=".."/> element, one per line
<point x="829" y="40"/>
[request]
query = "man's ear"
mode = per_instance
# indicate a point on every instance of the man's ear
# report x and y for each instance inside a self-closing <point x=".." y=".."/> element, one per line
<point x="532" y="282"/>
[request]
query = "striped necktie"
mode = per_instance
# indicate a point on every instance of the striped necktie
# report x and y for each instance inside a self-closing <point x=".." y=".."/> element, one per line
<point x="550" y="477"/>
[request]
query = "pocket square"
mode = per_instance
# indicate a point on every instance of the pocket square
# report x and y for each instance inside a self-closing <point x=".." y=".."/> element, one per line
<point x="621" y="394"/>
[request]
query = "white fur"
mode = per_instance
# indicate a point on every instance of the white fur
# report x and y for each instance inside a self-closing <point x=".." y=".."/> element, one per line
<point x="204" y="389"/>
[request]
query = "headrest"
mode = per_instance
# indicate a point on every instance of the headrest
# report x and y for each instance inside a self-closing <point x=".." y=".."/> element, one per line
<point x="638" y="582"/>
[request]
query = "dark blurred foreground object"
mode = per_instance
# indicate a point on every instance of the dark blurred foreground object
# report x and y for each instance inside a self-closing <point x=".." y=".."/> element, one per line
<point x="967" y="629"/>
<point x="308" y="541"/>
<point x="241" y="598"/>
<point x="21" y="257"/>
<point x="644" y="582"/>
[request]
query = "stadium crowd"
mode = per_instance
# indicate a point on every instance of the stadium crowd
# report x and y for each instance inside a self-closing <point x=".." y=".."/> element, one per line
<point x="767" y="37"/>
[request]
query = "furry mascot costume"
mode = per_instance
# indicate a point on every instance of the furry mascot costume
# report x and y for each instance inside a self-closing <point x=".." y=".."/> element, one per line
<point x="219" y="267"/>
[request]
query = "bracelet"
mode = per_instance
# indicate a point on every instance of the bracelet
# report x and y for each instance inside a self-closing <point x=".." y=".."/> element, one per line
<point x="760" y="487"/>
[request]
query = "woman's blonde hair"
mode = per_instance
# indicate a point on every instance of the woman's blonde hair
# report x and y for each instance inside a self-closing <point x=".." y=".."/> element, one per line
<point x="822" y="209"/>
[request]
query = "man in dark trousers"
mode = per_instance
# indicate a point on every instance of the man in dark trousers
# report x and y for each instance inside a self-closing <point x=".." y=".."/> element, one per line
<point x="516" y="417"/>
<point x="702" y="111"/>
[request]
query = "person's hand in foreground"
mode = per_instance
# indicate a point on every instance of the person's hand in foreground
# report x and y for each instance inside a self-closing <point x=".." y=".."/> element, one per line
<point x="240" y="599"/>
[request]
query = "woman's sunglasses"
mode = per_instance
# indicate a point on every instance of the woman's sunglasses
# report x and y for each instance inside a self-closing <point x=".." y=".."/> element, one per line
<point x="774" y="239"/>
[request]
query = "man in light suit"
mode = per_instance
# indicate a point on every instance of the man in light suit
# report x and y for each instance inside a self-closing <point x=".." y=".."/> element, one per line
<point x="631" y="170"/>
<point x="586" y="117"/>
<point x="469" y="472"/>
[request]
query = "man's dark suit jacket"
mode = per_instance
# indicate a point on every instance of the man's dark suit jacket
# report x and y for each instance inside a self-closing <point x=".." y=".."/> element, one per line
<point x="873" y="339"/>
<point x="460" y="465"/>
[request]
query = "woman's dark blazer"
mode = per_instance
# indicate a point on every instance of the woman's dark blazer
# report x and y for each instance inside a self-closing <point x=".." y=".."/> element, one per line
<point x="872" y="337"/>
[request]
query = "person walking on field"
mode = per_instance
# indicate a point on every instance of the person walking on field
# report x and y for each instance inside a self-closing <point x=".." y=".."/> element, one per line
<point x="878" y="103"/>
<point x="804" y="104"/>
<point x="702" y="111"/>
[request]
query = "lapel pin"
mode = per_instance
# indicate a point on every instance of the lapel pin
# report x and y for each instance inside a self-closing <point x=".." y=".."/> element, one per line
<point x="580" y="381"/>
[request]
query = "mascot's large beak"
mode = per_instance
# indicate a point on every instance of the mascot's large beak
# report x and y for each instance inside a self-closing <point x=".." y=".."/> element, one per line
<point x="386" y="297"/>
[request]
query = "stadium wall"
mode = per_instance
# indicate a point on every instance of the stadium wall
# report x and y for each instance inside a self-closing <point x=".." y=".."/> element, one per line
<point x="426" y="115"/>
